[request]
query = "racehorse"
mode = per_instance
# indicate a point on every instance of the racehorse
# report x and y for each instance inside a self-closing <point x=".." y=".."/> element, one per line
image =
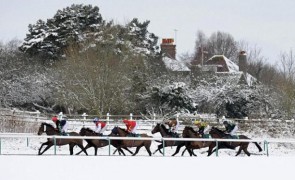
<point x="189" y="132"/>
<point x="50" y="130"/>
<point x="217" y="133"/>
<point x="165" y="133"/>
<point x="132" y="143"/>
<point x="98" y="143"/>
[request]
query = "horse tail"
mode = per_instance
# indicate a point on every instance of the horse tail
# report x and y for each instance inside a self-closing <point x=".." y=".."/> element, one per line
<point x="257" y="145"/>
<point x="158" y="141"/>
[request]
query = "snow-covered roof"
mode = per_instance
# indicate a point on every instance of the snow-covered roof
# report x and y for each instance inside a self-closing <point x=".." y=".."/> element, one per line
<point x="174" y="64"/>
<point x="233" y="69"/>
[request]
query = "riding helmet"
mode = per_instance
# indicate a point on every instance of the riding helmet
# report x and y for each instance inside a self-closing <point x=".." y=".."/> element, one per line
<point x="54" y="119"/>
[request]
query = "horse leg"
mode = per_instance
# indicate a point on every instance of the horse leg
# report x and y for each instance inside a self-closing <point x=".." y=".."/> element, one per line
<point x="257" y="145"/>
<point x="49" y="144"/>
<point x="191" y="151"/>
<point x="147" y="147"/>
<point x="245" y="149"/>
<point x="136" y="151"/>
<point x="127" y="150"/>
<point x="183" y="151"/>
<point x="83" y="149"/>
<point x="210" y="149"/>
<point x="95" y="150"/>
<point x="116" y="151"/>
<point x="86" y="147"/>
<point x="71" y="147"/>
<point x="239" y="151"/>
<point x="159" y="147"/>
<point x="120" y="150"/>
<point x="46" y="143"/>
<point x="177" y="149"/>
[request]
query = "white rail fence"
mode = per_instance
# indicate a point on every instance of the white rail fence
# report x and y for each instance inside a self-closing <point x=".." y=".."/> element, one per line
<point x="265" y="142"/>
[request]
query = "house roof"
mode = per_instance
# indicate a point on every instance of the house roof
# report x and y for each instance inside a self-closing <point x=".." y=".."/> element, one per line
<point x="228" y="65"/>
<point x="174" y="64"/>
<point x="229" y="69"/>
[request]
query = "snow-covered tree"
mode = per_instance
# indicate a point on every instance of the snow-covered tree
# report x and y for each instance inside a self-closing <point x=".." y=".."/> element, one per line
<point x="72" y="24"/>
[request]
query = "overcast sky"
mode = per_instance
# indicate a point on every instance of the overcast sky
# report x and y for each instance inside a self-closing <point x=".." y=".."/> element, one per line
<point x="268" y="24"/>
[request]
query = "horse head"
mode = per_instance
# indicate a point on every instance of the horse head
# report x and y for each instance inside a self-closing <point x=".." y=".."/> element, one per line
<point x="41" y="129"/>
<point x="47" y="128"/>
<point x="160" y="128"/>
<point x="86" y="132"/>
<point x="189" y="132"/>
<point x="215" y="132"/>
<point x="156" y="128"/>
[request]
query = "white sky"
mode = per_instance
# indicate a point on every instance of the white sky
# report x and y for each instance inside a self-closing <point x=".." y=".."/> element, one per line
<point x="269" y="24"/>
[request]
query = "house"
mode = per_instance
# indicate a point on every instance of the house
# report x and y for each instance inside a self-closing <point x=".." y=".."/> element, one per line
<point x="168" y="49"/>
<point x="223" y="67"/>
<point x="217" y="65"/>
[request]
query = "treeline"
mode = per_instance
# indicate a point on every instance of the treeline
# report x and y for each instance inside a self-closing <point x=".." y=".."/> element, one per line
<point x="79" y="62"/>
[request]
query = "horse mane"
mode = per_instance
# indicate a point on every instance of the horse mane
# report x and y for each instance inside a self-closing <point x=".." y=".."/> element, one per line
<point x="88" y="129"/>
<point x="218" y="130"/>
<point x="164" y="127"/>
<point x="47" y="124"/>
<point x="123" y="129"/>
<point x="190" y="128"/>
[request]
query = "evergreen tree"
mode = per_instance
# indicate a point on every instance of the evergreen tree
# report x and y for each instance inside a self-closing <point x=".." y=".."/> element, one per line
<point x="70" y="25"/>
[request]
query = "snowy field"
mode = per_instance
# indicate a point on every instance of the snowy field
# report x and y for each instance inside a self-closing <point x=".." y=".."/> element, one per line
<point x="19" y="160"/>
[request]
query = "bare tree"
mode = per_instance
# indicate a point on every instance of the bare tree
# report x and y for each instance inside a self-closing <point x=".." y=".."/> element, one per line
<point x="219" y="43"/>
<point x="287" y="85"/>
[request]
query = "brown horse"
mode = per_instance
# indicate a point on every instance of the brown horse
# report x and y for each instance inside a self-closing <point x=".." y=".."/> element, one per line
<point x="189" y="132"/>
<point x="98" y="143"/>
<point x="132" y="143"/>
<point x="165" y="133"/>
<point x="50" y="130"/>
<point x="217" y="133"/>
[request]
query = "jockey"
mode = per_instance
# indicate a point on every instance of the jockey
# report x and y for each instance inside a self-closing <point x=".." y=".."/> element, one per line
<point x="173" y="126"/>
<point x="100" y="126"/>
<point x="230" y="128"/>
<point x="204" y="128"/>
<point x="61" y="125"/>
<point x="131" y="126"/>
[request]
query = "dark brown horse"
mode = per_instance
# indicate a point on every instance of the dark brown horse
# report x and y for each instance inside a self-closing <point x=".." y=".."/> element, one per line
<point x="165" y="133"/>
<point x="219" y="134"/>
<point x="132" y="143"/>
<point x="189" y="132"/>
<point x="98" y="143"/>
<point x="50" y="130"/>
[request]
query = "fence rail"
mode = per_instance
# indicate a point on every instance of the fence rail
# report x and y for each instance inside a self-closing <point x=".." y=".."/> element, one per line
<point x="265" y="142"/>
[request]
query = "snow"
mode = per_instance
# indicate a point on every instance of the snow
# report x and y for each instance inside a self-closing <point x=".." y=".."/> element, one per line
<point x="174" y="64"/>
<point x="19" y="160"/>
<point x="232" y="67"/>
<point x="143" y="168"/>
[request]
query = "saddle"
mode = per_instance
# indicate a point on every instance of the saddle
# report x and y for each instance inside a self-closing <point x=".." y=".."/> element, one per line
<point x="64" y="134"/>
<point x="206" y="136"/>
<point x="174" y="135"/>
<point x="232" y="137"/>
<point x="133" y="135"/>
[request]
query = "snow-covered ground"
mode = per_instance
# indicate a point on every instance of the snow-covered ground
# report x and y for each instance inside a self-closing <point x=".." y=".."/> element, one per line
<point x="16" y="167"/>
<point x="19" y="160"/>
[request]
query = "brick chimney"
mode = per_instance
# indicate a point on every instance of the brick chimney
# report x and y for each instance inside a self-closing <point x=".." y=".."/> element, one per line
<point x="168" y="48"/>
<point x="243" y="62"/>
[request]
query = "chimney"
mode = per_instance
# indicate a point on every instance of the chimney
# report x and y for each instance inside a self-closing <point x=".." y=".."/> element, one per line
<point x="243" y="62"/>
<point x="168" y="48"/>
